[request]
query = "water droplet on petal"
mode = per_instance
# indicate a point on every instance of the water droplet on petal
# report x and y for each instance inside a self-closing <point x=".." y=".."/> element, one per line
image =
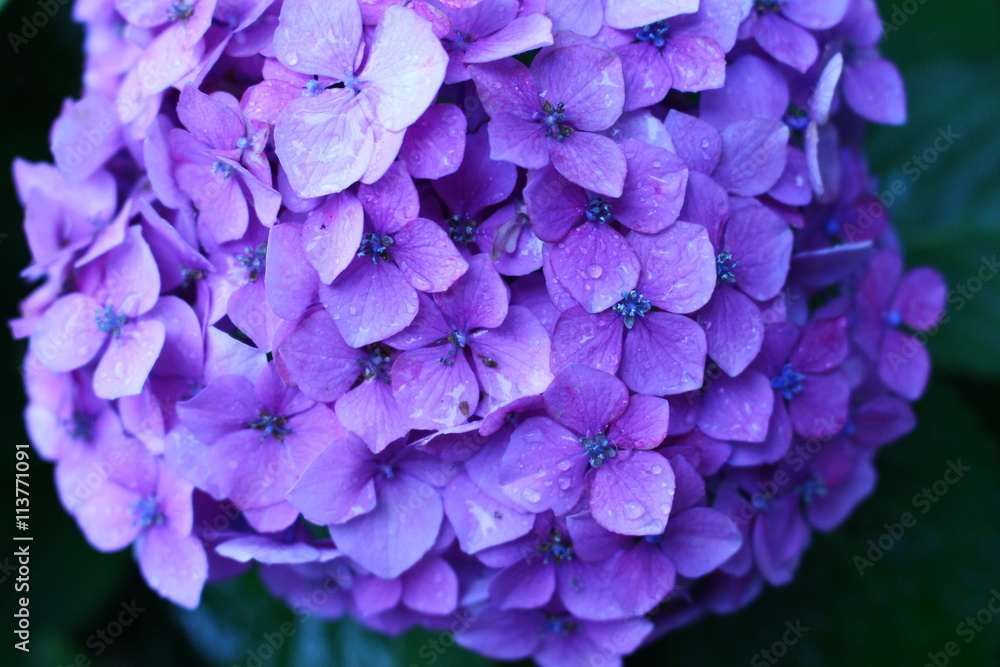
<point x="633" y="510"/>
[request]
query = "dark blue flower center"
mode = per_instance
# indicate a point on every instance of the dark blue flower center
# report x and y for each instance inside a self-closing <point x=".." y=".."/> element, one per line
<point x="81" y="427"/>
<point x="253" y="261"/>
<point x="376" y="246"/>
<point x="598" y="209"/>
<point x="598" y="449"/>
<point x="761" y="502"/>
<point x="893" y="318"/>
<point x="222" y="168"/>
<point x="242" y="143"/>
<point x="313" y="87"/>
<point x="633" y="305"/>
<point x="146" y="512"/>
<point x="109" y="321"/>
<point x="376" y="364"/>
<point x="180" y="11"/>
<point x="554" y="119"/>
<point x="387" y="470"/>
<point x="271" y="425"/>
<point x="190" y="276"/>
<point x="796" y="118"/>
<point x="561" y="625"/>
<point x="456" y="340"/>
<point x="653" y="539"/>
<point x="724" y="267"/>
<point x="811" y="489"/>
<point x="462" y="229"/>
<point x="832" y="227"/>
<point x="654" y="33"/>
<point x="788" y="382"/>
<point x="557" y="547"/>
<point x="769" y="5"/>
<point x="462" y="40"/>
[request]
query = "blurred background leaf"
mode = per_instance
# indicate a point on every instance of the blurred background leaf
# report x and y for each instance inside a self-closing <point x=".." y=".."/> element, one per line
<point x="949" y="214"/>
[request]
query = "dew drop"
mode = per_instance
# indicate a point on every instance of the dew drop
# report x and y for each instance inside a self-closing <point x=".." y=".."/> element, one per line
<point x="633" y="510"/>
<point x="595" y="271"/>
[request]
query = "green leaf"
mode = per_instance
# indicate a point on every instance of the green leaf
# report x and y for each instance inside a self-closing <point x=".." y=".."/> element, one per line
<point x="911" y="601"/>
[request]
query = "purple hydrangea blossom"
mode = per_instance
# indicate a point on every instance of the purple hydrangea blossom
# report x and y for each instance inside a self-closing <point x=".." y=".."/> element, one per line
<point x="335" y="136"/>
<point x="781" y="27"/>
<point x="552" y="113"/>
<point x="399" y="253"/>
<point x="544" y="340"/>
<point x="121" y="494"/>
<point x="464" y="341"/>
<point x="593" y="431"/>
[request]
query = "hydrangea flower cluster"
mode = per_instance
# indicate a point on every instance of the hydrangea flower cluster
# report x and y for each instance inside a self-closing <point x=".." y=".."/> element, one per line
<point x="552" y="323"/>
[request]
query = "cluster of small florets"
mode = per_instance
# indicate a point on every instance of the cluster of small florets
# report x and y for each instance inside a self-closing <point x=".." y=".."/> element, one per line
<point x="551" y="323"/>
